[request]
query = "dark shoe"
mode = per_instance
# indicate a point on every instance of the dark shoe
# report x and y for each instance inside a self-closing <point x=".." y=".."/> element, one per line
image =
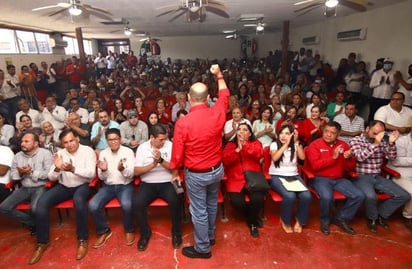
<point x="254" y="230"/>
<point x="212" y="242"/>
<point x="143" y="242"/>
<point x="324" y="228"/>
<point x="408" y="223"/>
<point x="101" y="240"/>
<point x="372" y="225"/>
<point x="38" y="252"/>
<point x="129" y="238"/>
<point x="382" y="222"/>
<point x="344" y="226"/>
<point x="176" y="241"/>
<point x="192" y="253"/>
<point x="82" y="248"/>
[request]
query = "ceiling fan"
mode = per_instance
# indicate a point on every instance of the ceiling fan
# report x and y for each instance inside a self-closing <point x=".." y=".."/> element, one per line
<point x="330" y="5"/>
<point x="76" y="8"/>
<point x="195" y="10"/>
<point x="148" y="38"/>
<point x="231" y="34"/>
<point x="127" y="30"/>
<point x="260" y="26"/>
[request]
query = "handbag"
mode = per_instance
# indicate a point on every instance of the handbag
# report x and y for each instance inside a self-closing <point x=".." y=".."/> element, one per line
<point x="256" y="181"/>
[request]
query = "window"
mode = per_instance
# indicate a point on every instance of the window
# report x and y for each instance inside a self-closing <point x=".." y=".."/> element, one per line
<point x="8" y="42"/>
<point x="16" y="41"/>
<point x="73" y="48"/>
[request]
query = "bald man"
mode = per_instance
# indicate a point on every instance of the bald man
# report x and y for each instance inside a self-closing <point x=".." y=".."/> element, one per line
<point x="197" y="145"/>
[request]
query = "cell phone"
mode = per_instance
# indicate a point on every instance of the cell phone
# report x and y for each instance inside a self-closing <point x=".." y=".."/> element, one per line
<point x="386" y="137"/>
<point x="178" y="187"/>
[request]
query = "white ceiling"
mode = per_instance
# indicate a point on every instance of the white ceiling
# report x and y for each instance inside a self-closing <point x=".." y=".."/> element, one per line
<point x="142" y="16"/>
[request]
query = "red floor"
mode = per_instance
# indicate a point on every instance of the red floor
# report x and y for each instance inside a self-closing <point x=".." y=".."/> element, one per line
<point x="234" y="248"/>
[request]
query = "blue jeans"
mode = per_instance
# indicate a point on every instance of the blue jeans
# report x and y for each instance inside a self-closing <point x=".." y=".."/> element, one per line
<point x="147" y="193"/>
<point x="55" y="195"/>
<point x="369" y="183"/>
<point x="24" y="194"/>
<point x="289" y="198"/>
<point x="325" y="187"/>
<point x="202" y="189"/>
<point x="124" y="194"/>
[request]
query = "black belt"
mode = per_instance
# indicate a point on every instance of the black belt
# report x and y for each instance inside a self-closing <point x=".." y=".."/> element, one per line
<point x="207" y="170"/>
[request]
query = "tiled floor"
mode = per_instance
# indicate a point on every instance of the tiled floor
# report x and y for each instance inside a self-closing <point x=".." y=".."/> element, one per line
<point x="234" y="248"/>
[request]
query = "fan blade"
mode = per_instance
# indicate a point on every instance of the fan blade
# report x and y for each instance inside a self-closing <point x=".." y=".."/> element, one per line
<point x="178" y="15"/>
<point x="172" y="11"/>
<point x="98" y="14"/>
<point x="307" y="11"/>
<point x="63" y="5"/>
<point x="353" y="5"/>
<point x="217" y="3"/>
<point x="95" y="9"/>
<point x="218" y="11"/>
<point x="308" y="6"/>
<point x="59" y="11"/>
<point x="302" y="2"/>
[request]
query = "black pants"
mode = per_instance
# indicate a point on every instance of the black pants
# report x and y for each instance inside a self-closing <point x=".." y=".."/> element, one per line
<point x="250" y="209"/>
<point x="147" y="193"/>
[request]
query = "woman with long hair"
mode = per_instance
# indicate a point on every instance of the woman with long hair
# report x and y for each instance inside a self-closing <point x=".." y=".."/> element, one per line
<point x="285" y="153"/>
<point x="264" y="127"/>
<point x="118" y="114"/>
<point x="243" y="153"/>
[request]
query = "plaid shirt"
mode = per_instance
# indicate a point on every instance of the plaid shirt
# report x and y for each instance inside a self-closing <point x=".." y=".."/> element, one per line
<point x="369" y="157"/>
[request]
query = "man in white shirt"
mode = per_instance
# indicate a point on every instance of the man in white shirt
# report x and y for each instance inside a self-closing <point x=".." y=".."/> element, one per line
<point x="6" y="160"/>
<point x="111" y="63"/>
<point x="352" y="125"/>
<point x="152" y="165"/>
<point x="181" y="103"/>
<point x="10" y="92"/>
<point x="53" y="113"/>
<point x="403" y="164"/>
<point x="25" y="109"/>
<point x="404" y="86"/>
<point x="74" y="167"/>
<point x="382" y="83"/>
<point x="116" y="169"/>
<point x="82" y="112"/>
<point x="395" y="115"/>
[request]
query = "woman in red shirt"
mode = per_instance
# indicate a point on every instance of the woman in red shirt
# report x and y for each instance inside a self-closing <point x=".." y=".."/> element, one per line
<point x="241" y="154"/>
<point x="312" y="127"/>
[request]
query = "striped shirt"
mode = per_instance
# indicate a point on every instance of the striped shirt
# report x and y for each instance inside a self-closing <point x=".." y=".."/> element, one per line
<point x="356" y="125"/>
<point x="369" y="157"/>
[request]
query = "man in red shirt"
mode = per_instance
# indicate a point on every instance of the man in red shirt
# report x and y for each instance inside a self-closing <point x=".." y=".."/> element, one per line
<point x="327" y="157"/>
<point x="75" y="72"/>
<point x="197" y="145"/>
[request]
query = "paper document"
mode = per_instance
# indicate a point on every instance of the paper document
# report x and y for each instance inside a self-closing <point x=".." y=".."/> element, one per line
<point x="293" y="185"/>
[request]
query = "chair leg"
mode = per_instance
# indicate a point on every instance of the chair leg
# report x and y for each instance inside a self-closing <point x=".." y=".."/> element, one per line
<point x="223" y="209"/>
<point x="60" y="217"/>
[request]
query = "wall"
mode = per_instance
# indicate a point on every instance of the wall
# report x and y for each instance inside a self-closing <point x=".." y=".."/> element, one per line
<point x="25" y="59"/>
<point x="388" y="35"/>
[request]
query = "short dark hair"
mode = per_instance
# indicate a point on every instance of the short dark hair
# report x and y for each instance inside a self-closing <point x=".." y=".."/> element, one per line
<point x="376" y="122"/>
<point x="10" y="66"/>
<point x="66" y="132"/>
<point x="35" y="136"/>
<point x="334" y="124"/>
<point x="157" y="130"/>
<point x="400" y="93"/>
<point x="113" y="131"/>
<point x="351" y="103"/>
<point x="24" y="116"/>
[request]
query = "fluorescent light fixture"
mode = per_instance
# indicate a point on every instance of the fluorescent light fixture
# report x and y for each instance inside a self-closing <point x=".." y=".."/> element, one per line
<point x="302" y="2"/>
<point x="331" y="3"/>
<point x="75" y="11"/>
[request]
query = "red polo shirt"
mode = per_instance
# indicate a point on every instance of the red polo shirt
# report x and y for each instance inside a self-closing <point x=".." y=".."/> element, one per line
<point x="197" y="140"/>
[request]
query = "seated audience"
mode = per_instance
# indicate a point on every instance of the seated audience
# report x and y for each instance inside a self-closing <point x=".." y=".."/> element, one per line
<point x="98" y="133"/>
<point x="25" y="125"/>
<point x="327" y="157"/>
<point x="119" y="113"/>
<point x="30" y="168"/>
<point x="53" y="113"/>
<point x="285" y="153"/>
<point x="152" y="165"/>
<point x="115" y="169"/>
<point x="230" y="127"/>
<point x="337" y="107"/>
<point x="83" y="130"/>
<point x="6" y="131"/>
<point x="74" y="167"/>
<point x="244" y="152"/>
<point x="24" y="109"/>
<point x="312" y="127"/>
<point x="352" y="124"/>
<point x="370" y="149"/>
<point x="133" y="131"/>
<point x="264" y="127"/>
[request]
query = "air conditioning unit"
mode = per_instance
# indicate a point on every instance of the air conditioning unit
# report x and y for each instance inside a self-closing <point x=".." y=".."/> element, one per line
<point x="58" y="43"/>
<point x="310" y="40"/>
<point x="357" y="34"/>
